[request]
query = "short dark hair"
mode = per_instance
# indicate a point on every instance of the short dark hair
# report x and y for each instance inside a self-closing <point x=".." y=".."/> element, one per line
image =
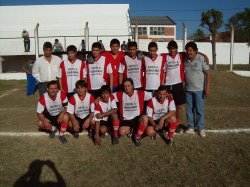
<point x="52" y="83"/>
<point x="162" y="88"/>
<point x="105" y="88"/>
<point x="96" y="45"/>
<point x="193" y="45"/>
<point x="47" y="45"/>
<point x="72" y="48"/>
<point x="152" y="44"/>
<point x="128" y="80"/>
<point x="172" y="44"/>
<point x="114" y="41"/>
<point x="81" y="83"/>
<point x="132" y="44"/>
<point x="56" y="40"/>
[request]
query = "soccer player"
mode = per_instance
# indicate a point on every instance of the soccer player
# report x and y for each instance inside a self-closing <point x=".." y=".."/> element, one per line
<point x="114" y="57"/>
<point x="51" y="111"/>
<point x="71" y="70"/>
<point x="46" y="68"/>
<point x="174" y="77"/>
<point x="106" y="112"/>
<point x="99" y="71"/>
<point x="198" y="77"/>
<point x="161" y="112"/>
<point x="131" y="105"/>
<point x="153" y="65"/>
<point x="131" y="67"/>
<point x="81" y="109"/>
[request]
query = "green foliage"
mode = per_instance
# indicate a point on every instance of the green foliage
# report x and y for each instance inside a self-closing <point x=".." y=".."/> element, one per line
<point x="212" y="20"/>
<point x="198" y="35"/>
<point x="241" y="23"/>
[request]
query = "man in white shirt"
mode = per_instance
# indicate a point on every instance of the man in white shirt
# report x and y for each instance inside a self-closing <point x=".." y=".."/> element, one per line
<point x="46" y="68"/>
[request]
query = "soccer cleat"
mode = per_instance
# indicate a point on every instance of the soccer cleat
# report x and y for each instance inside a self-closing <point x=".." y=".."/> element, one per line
<point x="137" y="142"/>
<point x="115" y="140"/>
<point x="179" y="129"/>
<point x="189" y="131"/>
<point x="202" y="133"/>
<point x="170" y="141"/>
<point x="52" y="134"/>
<point x="76" y="135"/>
<point x="62" y="139"/>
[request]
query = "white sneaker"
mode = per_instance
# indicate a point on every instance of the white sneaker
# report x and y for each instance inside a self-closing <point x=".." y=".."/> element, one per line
<point x="189" y="131"/>
<point x="202" y="133"/>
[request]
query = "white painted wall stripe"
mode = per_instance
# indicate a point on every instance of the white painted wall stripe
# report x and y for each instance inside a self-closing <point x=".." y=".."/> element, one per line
<point x="8" y="93"/>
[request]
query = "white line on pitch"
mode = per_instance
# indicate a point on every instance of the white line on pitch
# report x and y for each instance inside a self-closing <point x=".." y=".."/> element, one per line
<point x="8" y="92"/>
<point x="33" y="134"/>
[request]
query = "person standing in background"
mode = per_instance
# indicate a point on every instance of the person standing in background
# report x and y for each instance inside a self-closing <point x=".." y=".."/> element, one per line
<point x="26" y="40"/>
<point x="46" y="68"/>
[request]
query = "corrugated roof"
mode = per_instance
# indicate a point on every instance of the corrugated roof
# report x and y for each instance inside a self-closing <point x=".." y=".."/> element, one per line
<point x="151" y="20"/>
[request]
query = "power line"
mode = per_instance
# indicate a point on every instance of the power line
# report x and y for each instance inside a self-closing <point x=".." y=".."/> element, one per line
<point x="183" y="10"/>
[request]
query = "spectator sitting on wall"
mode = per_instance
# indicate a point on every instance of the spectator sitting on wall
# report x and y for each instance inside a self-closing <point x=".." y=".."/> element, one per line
<point x="103" y="48"/>
<point x="57" y="46"/>
<point x="82" y="46"/>
<point x="124" y="46"/>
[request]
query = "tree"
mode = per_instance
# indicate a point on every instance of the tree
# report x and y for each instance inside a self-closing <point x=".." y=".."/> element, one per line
<point x="198" y="35"/>
<point x="241" y="23"/>
<point x="212" y="20"/>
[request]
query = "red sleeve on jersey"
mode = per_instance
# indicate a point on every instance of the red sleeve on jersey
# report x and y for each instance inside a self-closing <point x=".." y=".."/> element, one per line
<point x="123" y="62"/>
<point x="72" y="100"/>
<point x="112" y="98"/>
<point x="42" y="100"/>
<point x="105" y="74"/>
<point x="88" y="76"/>
<point x="63" y="96"/>
<point x="92" y="99"/>
<point x="98" y="108"/>
<point x="150" y="103"/>
<point x="164" y="55"/>
<point x="144" y="70"/>
<point x="81" y="70"/>
<point x="64" y="77"/>
<point x="182" y="74"/>
<point x="141" y="96"/>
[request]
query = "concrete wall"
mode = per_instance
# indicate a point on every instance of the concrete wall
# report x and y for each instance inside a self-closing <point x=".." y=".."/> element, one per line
<point x="61" y="20"/>
<point x="241" y="50"/>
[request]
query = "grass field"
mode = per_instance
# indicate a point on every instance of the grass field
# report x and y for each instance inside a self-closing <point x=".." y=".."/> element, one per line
<point x="218" y="160"/>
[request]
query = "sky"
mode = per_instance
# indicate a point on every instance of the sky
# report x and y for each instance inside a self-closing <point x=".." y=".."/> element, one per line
<point x="179" y="11"/>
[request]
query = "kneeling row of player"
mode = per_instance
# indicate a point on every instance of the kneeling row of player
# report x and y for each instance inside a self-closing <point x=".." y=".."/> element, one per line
<point x="84" y="112"/>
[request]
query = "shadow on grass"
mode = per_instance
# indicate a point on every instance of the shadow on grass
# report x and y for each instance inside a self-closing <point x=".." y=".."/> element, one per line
<point x="32" y="177"/>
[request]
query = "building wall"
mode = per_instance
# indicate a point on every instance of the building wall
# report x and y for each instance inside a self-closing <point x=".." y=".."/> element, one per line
<point x="56" y="21"/>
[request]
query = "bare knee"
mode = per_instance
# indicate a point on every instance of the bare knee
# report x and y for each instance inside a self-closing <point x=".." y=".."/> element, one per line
<point x="103" y="129"/>
<point x="143" y="119"/>
<point x="150" y="131"/>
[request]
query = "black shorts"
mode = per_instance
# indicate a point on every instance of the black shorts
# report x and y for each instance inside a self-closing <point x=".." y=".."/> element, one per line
<point x="81" y="121"/>
<point x="105" y="123"/>
<point x="95" y="93"/>
<point x="178" y="93"/>
<point x="132" y="123"/>
<point x="150" y="124"/>
<point x="52" y="119"/>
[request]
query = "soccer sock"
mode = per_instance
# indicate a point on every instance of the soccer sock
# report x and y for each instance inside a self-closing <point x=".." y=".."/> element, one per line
<point x="171" y="128"/>
<point x="53" y="128"/>
<point x="141" y="129"/>
<point x="63" y="128"/>
<point x="116" y="125"/>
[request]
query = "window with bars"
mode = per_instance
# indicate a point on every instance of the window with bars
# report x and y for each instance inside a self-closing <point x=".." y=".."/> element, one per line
<point x="141" y="30"/>
<point x="157" y="30"/>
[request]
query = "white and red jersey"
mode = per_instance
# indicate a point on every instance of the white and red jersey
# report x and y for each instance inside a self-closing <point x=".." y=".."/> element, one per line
<point x="156" y="109"/>
<point x="70" y="73"/>
<point x="153" y="72"/>
<point x="132" y="68"/>
<point x="81" y="107"/>
<point x="98" y="73"/>
<point x="131" y="106"/>
<point x="54" y="106"/>
<point x="115" y="63"/>
<point x="102" y="107"/>
<point x="174" y="68"/>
